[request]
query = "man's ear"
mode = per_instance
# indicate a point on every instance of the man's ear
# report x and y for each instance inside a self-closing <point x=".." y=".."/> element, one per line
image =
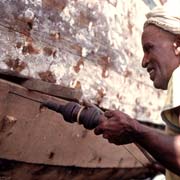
<point x="176" y="46"/>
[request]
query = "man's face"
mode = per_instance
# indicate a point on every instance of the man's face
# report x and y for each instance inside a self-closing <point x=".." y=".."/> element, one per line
<point x="159" y="55"/>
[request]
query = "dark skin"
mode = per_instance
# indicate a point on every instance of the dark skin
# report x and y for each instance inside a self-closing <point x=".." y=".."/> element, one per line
<point x="161" y="57"/>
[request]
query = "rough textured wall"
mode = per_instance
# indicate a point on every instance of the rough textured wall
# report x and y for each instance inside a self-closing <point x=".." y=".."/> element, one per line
<point x="94" y="45"/>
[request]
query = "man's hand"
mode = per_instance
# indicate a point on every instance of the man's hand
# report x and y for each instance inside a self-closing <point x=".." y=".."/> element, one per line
<point x="117" y="127"/>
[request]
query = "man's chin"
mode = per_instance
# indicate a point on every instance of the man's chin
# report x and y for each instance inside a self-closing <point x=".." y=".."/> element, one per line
<point x="159" y="85"/>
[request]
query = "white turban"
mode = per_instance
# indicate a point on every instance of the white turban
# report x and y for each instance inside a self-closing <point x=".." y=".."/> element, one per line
<point x="166" y="17"/>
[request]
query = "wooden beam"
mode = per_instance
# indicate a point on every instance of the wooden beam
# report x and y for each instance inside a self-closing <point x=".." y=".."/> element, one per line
<point x="41" y="136"/>
<point x="42" y="86"/>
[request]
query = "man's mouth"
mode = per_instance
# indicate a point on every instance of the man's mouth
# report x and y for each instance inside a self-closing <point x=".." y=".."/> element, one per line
<point x="151" y="72"/>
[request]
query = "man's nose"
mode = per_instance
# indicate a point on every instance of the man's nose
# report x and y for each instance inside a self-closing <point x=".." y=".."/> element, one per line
<point x="145" y="61"/>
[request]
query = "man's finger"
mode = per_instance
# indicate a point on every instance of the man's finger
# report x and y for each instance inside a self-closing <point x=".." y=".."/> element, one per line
<point x="108" y="114"/>
<point x="98" y="130"/>
<point x="105" y="136"/>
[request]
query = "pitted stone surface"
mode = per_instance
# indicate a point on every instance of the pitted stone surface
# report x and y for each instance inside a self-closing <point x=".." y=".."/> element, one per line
<point x="92" y="45"/>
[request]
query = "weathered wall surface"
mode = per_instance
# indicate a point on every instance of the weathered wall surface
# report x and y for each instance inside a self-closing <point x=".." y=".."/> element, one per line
<point x="89" y="44"/>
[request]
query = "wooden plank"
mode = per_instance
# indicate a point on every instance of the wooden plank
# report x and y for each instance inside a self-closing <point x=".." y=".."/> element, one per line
<point x="35" y="135"/>
<point x="53" y="89"/>
<point x="19" y="170"/>
<point x="3" y="101"/>
<point x="42" y="86"/>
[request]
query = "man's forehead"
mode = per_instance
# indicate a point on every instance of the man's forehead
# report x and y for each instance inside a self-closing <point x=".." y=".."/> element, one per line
<point x="152" y="31"/>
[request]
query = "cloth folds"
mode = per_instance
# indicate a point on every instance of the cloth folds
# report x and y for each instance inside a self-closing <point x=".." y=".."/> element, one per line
<point x="172" y="102"/>
<point x="166" y="17"/>
<point x="168" y="114"/>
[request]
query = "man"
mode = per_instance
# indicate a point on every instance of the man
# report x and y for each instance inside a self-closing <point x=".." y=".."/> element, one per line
<point x="161" y="46"/>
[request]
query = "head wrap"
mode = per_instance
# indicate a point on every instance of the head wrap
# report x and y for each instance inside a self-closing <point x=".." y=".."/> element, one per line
<point x="166" y="17"/>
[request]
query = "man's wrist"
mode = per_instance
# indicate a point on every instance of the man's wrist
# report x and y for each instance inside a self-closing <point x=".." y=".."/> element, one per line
<point x="138" y="131"/>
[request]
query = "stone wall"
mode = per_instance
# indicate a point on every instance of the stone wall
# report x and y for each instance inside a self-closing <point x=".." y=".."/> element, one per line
<point x="89" y="44"/>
